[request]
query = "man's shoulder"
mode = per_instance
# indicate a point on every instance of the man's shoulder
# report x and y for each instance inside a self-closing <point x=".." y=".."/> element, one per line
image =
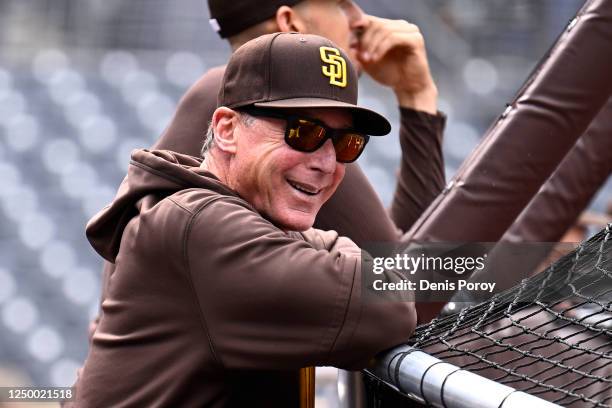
<point x="209" y="81"/>
<point x="220" y="220"/>
<point x="195" y="200"/>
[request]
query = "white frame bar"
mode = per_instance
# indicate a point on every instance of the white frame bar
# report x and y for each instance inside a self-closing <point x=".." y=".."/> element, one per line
<point x="444" y="385"/>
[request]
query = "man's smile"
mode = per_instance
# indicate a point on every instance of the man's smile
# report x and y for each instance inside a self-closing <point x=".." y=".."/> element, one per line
<point x="304" y="187"/>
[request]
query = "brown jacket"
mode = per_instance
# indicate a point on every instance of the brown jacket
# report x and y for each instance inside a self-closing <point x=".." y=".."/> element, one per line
<point x="210" y="304"/>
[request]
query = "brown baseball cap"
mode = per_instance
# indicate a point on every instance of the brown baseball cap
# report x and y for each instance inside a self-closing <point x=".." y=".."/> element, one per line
<point x="293" y="70"/>
<point x="231" y="17"/>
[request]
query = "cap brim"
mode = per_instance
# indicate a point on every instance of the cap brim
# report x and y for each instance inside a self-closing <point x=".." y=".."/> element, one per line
<point x="365" y="120"/>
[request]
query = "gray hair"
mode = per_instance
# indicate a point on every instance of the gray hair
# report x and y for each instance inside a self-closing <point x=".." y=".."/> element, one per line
<point x="209" y="139"/>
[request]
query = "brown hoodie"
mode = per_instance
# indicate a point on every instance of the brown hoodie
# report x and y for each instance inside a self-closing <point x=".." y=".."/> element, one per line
<point x="210" y="304"/>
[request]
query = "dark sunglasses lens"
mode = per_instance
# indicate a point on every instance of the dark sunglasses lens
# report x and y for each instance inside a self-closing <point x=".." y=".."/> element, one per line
<point x="304" y="135"/>
<point x="349" y="146"/>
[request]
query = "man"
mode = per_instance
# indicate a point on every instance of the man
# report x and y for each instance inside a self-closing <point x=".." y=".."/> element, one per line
<point x="221" y="291"/>
<point x="392" y="52"/>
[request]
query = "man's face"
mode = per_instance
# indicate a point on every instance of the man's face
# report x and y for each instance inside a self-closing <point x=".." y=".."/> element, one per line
<point x="338" y="20"/>
<point x="285" y="185"/>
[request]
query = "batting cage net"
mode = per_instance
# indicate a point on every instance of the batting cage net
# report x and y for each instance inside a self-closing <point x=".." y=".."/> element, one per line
<point x="549" y="336"/>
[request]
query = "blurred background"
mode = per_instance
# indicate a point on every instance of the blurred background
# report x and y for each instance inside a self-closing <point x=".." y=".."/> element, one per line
<point x="83" y="82"/>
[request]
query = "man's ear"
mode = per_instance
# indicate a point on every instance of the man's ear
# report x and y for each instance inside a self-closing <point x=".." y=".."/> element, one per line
<point x="288" y="20"/>
<point x="225" y="121"/>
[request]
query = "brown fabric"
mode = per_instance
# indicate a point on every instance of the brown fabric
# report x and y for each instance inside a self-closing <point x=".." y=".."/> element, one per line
<point x="569" y="190"/>
<point x="263" y="73"/>
<point x="557" y="205"/>
<point x="205" y="292"/>
<point x="234" y="16"/>
<point x="420" y="150"/>
<point x="524" y="147"/>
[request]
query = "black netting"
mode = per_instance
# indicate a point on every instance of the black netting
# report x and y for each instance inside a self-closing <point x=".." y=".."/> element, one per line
<point x="549" y="336"/>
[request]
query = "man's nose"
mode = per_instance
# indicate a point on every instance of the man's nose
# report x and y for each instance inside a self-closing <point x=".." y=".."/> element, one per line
<point x="356" y="17"/>
<point x="324" y="158"/>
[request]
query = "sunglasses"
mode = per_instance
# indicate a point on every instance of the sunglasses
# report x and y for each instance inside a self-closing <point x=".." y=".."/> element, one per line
<point x="307" y="135"/>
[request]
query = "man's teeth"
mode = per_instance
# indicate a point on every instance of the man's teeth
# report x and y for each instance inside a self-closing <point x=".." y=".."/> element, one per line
<point x="303" y="188"/>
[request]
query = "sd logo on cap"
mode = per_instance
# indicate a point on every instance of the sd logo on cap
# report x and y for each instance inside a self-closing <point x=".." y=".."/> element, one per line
<point x="336" y="70"/>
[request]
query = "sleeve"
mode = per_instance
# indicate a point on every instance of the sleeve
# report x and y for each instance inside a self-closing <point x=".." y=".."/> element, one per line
<point x="421" y="176"/>
<point x="271" y="301"/>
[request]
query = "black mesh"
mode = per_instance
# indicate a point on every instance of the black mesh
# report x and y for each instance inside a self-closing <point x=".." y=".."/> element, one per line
<point x="549" y="336"/>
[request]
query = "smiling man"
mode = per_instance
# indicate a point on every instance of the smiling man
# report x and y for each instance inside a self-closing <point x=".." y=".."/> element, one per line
<point x="222" y="291"/>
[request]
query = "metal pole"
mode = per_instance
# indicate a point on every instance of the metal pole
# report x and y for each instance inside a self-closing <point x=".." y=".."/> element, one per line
<point x="351" y="392"/>
<point x="444" y="385"/>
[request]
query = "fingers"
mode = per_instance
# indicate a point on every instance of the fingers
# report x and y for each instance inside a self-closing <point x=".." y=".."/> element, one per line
<point x="378" y="36"/>
<point x="378" y="48"/>
<point x="410" y="41"/>
<point x="381" y="35"/>
<point x="369" y="32"/>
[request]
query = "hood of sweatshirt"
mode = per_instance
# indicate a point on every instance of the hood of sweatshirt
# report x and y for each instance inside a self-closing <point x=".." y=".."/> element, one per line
<point x="152" y="176"/>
